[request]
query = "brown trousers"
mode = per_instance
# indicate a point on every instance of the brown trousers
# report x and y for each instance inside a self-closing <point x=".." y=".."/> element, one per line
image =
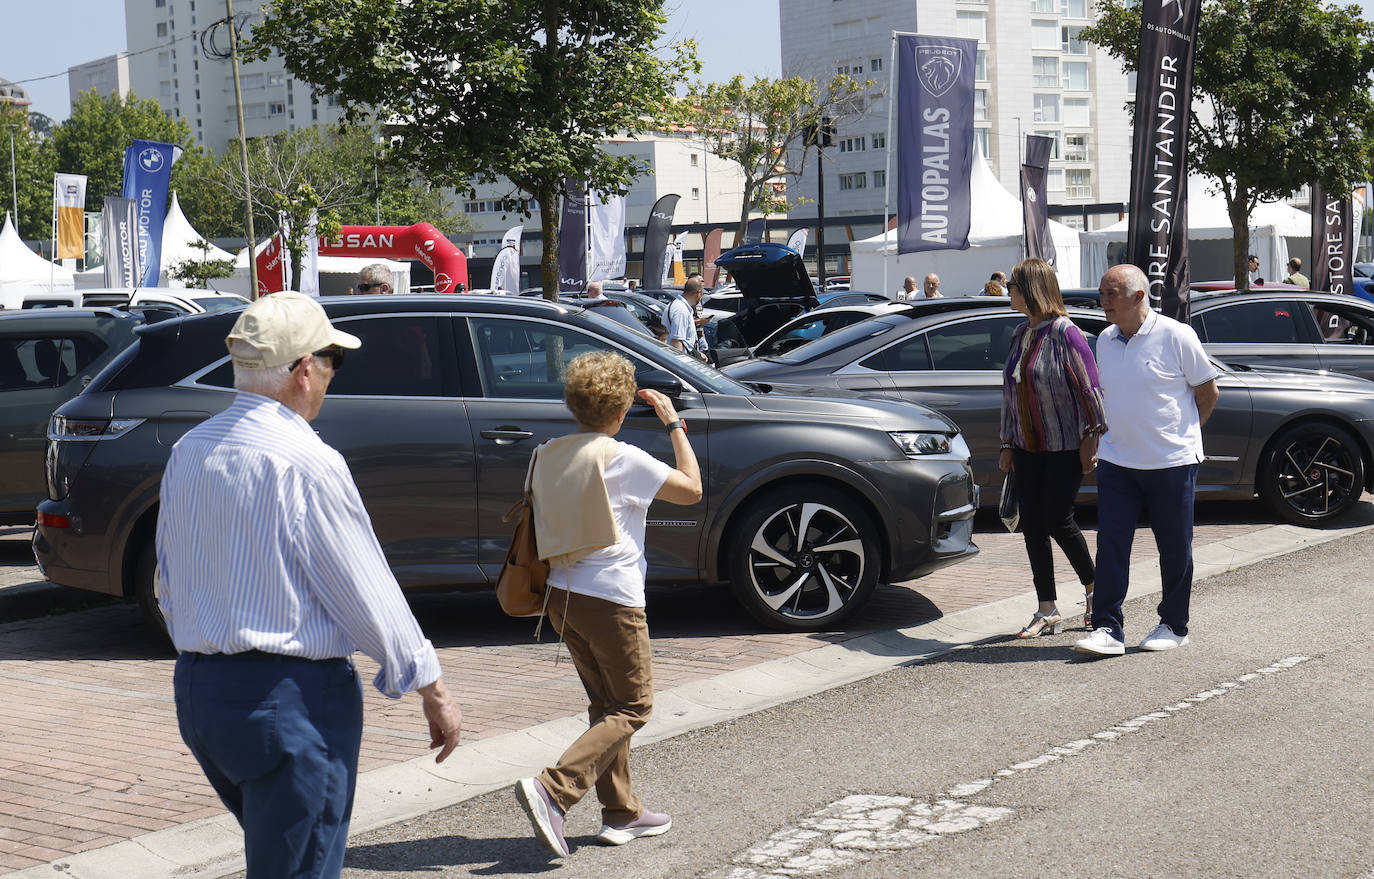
<point x="609" y="645"/>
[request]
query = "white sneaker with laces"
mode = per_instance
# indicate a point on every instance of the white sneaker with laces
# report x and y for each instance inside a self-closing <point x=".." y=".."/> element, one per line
<point x="1100" y="643"/>
<point x="1163" y="638"/>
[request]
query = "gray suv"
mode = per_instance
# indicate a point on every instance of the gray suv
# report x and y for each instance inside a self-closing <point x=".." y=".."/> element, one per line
<point x="809" y="500"/>
<point x="46" y="357"/>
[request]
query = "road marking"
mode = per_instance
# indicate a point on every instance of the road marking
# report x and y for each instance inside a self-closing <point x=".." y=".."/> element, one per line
<point x="860" y="827"/>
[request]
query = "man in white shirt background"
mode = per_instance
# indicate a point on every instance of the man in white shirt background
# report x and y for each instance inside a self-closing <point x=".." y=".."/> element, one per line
<point x="1158" y="388"/>
<point x="270" y="578"/>
<point x="932" y="287"/>
<point x="682" y="317"/>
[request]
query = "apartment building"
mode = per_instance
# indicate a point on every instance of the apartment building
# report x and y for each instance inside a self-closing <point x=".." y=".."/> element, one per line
<point x="13" y="95"/>
<point x="1033" y="75"/>
<point x="105" y="76"/>
<point x="170" y="60"/>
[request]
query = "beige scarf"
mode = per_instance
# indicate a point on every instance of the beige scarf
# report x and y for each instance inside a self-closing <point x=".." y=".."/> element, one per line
<point x="572" y="511"/>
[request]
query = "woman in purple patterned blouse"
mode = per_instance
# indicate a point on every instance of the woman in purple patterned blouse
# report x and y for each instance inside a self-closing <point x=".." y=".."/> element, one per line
<point x="1051" y="418"/>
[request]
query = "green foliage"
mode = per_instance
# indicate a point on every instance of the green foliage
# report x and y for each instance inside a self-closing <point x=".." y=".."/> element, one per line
<point x="35" y="162"/>
<point x="1280" y="97"/>
<point x="199" y="272"/>
<point x="474" y="90"/>
<point x="756" y="124"/>
<point x="92" y="140"/>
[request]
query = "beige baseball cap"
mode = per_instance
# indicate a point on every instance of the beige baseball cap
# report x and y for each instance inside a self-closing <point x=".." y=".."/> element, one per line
<point x="284" y="327"/>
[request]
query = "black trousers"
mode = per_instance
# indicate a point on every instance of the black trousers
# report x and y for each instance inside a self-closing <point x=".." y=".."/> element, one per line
<point x="1046" y="485"/>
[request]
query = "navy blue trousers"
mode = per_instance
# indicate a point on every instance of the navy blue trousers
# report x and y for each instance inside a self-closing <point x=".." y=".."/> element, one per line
<point x="1166" y="497"/>
<point x="278" y="739"/>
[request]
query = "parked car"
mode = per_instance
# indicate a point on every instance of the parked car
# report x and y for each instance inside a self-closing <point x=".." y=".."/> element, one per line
<point x="774" y="287"/>
<point x="46" y="357"/>
<point x="160" y="303"/>
<point x="809" y="501"/>
<point x="1293" y="328"/>
<point x="1300" y="439"/>
<point x="14" y="298"/>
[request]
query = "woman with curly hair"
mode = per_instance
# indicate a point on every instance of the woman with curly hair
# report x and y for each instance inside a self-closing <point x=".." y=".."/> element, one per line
<point x="1051" y="418"/>
<point x="591" y="497"/>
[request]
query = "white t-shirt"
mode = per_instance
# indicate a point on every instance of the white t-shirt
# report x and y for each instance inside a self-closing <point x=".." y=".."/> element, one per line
<point x="1147" y="392"/>
<point x="682" y="324"/>
<point x="616" y="573"/>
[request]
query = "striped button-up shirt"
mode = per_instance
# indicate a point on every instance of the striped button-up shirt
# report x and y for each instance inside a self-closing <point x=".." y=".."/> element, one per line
<point x="263" y="544"/>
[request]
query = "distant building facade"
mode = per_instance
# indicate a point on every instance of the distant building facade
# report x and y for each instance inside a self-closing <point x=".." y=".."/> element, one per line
<point x="13" y="95"/>
<point x="104" y="76"/>
<point x="166" y="61"/>
<point x="1033" y="75"/>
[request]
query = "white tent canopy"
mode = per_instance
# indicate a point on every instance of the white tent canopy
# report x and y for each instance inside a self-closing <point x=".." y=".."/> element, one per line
<point x="995" y="242"/>
<point x="1275" y="227"/>
<point x="179" y="240"/>
<point x="21" y="267"/>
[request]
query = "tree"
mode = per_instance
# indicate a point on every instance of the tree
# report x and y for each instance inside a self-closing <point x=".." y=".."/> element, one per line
<point x="198" y="272"/>
<point x="31" y="174"/>
<point x="756" y="124"/>
<point x="474" y="90"/>
<point x="1280" y="98"/>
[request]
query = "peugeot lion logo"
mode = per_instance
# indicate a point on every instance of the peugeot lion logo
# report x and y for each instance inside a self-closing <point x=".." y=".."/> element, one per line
<point x="150" y="160"/>
<point x="938" y="68"/>
<point x="1030" y="194"/>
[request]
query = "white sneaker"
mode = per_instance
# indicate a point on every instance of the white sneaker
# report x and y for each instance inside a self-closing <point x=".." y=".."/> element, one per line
<point x="1100" y="643"/>
<point x="1163" y="638"/>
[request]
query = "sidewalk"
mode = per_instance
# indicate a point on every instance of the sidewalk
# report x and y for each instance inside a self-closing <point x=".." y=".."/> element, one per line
<point x="91" y="761"/>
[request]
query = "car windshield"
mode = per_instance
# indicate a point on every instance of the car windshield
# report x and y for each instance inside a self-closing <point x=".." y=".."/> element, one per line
<point x="864" y="329"/>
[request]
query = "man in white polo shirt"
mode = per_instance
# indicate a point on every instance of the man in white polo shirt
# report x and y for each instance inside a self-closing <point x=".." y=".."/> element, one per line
<point x="1158" y="388"/>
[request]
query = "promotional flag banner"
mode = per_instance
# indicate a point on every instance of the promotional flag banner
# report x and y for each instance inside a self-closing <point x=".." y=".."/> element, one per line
<point x="572" y="239"/>
<point x="270" y="263"/>
<point x="147" y="176"/>
<point x="710" y="272"/>
<point x="1035" y="207"/>
<point x="69" y="209"/>
<point x="797" y="241"/>
<point x="656" y="240"/>
<point x="1157" y="236"/>
<point x="1357" y="198"/>
<point x="505" y="272"/>
<point x="310" y="260"/>
<point x="607" y="223"/>
<point x="1333" y="242"/>
<point x="755" y="231"/>
<point x="679" y="272"/>
<point x="934" y="142"/>
<point x="120" y="222"/>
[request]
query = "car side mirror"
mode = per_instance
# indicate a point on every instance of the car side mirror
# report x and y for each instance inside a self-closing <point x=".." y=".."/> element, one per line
<point x="659" y="380"/>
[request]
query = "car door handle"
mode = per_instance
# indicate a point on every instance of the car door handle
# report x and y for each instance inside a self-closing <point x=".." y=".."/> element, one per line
<point x="504" y="436"/>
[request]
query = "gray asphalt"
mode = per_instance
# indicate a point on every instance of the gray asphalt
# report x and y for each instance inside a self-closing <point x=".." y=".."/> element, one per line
<point x="1270" y="775"/>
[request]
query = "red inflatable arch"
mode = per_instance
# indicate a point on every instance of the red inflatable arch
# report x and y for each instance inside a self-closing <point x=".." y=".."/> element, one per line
<point x="421" y="241"/>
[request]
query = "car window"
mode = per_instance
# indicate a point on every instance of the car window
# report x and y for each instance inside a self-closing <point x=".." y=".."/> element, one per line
<point x="219" y="303"/>
<point x="399" y="357"/>
<point x="28" y="363"/>
<point x="1341" y="325"/>
<point x="525" y="359"/>
<point x="909" y="355"/>
<point x="841" y="338"/>
<point x="810" y="330"/>
<point x="1266" y="322"/>
<point x="971" y="344"/>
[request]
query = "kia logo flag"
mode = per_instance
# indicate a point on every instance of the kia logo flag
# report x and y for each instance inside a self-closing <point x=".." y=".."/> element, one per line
<point x="572" y="239"/>
<point x="934" y="142"/>
<point x="1157" y="236"/>
<point x="656" y="240"/>
<point x="147" y="177"/>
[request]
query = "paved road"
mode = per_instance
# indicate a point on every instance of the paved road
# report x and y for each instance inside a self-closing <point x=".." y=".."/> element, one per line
<point x="1244" y="754"/>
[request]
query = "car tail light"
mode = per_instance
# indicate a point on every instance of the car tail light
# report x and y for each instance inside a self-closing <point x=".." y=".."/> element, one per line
<point x="52" y="520"/>
<point x="62" y="427"/>
<point x="70" y="443"/>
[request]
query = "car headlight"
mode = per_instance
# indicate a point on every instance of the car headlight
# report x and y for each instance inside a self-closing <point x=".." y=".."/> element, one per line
<point x="916" y="444"/>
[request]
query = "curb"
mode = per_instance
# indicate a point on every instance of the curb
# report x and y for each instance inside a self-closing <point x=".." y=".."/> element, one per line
<point x="213" y="847"/>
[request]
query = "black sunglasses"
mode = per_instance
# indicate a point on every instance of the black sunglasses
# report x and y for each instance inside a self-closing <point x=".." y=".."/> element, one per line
<point x="333" y="352"/>
<point x="363" y="288"/>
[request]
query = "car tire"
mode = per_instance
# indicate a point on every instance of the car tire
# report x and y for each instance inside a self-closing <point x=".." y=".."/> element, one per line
<point x="803" y="587"/>
<point x="1312" y="474"/>
<point x="145" y="587"/>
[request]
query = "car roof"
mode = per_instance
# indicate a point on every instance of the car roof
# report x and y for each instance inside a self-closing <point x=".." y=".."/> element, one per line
<point x="1224" y="297"/>
<point x="30" y="318"/>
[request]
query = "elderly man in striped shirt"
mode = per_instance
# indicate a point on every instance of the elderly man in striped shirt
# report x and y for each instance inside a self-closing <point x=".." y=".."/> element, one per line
<point x="270" y="578"/>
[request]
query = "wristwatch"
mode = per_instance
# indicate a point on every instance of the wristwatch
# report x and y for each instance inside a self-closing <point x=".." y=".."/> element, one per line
<point x="674" y="425"/>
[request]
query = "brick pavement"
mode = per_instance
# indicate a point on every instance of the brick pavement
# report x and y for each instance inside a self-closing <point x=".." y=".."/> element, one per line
<point x="90" y="753"/>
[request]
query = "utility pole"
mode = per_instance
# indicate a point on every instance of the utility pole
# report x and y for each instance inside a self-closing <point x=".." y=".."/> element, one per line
<point x="820" y="136"/>
<point x="243" y="149"/>
<point x="14" y="181"/>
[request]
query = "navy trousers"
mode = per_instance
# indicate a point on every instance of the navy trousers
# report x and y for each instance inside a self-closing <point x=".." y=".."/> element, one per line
<point x="278" y="739"/>
<point x="1166" y="497"/>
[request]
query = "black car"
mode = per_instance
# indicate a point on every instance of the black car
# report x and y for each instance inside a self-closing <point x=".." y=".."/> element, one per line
<point x="774" y="286"/>
<point x="46" y="357"/>
<point x="1300" y="439"/>
<point x="809" y="500"/>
